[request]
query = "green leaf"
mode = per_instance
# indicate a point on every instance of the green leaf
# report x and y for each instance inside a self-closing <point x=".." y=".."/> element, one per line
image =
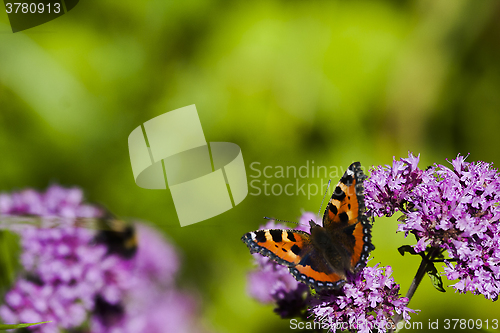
<point x="406" y="249"/>
<point x="9" y="254"/>
<point x="4" y="327"/>
<point x="435" y="278"/>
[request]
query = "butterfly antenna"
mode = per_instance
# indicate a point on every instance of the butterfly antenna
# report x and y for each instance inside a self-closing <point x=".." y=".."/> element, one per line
<point x="324" y="196"/>
<point x="279" y="220"/>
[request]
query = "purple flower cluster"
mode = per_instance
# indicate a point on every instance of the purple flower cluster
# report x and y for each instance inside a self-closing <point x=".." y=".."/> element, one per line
<point x="372" y="298"/>
<point x="367" y="303"/>
<point x="73" y="281"/>
<point x="149" y="302"/>
<point x="63" y="272"/>
<point x="389" y="187"/>
<point x="56" y="201"/>
<point x="456" y="210"/>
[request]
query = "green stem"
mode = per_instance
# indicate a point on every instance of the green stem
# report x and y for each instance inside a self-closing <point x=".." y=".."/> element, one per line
<point x="422" y="269"/>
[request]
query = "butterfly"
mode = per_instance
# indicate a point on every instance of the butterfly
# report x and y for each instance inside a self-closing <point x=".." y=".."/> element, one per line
<point x="330" y="254"/>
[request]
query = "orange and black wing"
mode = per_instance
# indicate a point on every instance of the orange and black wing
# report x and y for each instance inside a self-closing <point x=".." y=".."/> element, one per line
<point x="345" y="216"/>
<point x="294" y="249"/>
<point x="314" y="270"/>
<point x="281" y="245"/>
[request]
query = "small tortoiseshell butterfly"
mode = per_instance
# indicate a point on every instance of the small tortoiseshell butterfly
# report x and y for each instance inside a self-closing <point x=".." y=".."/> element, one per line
<point x="326" y="257"/>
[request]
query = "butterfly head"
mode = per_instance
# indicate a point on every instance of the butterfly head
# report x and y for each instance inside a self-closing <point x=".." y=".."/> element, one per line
<point x="313" y="224"/>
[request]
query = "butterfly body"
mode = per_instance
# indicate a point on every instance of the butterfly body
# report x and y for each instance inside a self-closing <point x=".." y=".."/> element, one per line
<point x="326" y="257"/>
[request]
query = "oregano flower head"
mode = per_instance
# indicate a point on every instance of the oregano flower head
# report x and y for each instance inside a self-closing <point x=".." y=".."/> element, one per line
<point x="454" y="209"/>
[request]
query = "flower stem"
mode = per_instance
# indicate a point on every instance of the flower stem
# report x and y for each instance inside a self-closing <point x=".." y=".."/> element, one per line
<point x="422" y="269"/>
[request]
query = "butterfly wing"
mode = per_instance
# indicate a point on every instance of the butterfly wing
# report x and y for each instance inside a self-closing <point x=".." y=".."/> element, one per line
<point x="294" y="249"/>
<point x="314" y="270"/>
<point x="283" y="246"/>
<point x="345" y="216"/>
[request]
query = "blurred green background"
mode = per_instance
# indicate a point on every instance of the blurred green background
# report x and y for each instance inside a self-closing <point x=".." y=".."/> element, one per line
<point x="290" y="82"/>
